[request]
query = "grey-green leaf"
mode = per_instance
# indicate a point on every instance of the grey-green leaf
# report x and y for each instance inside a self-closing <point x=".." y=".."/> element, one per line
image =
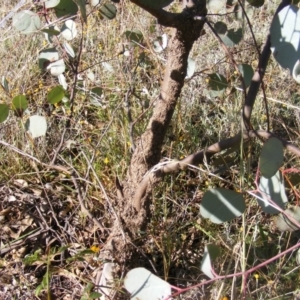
<point x="211" y="252"/>
<point x="285" y="37"/>
<point x="47" y="56"/>
<point x="222" y="205"/>
<point x="51" y="3"/>
<point x="108" y="11"/>
<point x="26" y="21"/>
<point x="190" y="68"/>
<point x="4" y="111"/>
<point x="134" y="36"/>
<point x="4" y="84"/>
<point x="82" y="6"/>
<point x="19" y="102"/>
<point x="247" y="74"/>
<point x="217" y="84"/>
<point x="284" y="224"/>
<point x="57" y="68"/>
<point x="143" y="285"/>
<point x="68" y="30"/>
<point x="66" y="8"/>
<point x="271" y="157"/>
<point x="36" y="125"/>
<point x="232" y="38"/>
<point x="256" y="3"/>
<point x="220" y="27"/>
<point x="156" y="3"/>
<point x="272" y="188"/>
<point x="19" y="105"/>
<point x="56" y="94"/>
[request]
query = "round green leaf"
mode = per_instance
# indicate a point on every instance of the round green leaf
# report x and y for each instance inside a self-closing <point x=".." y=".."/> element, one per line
<point x="56" y="94"/>
<point x="51" y="30"/>
<point x="69" y="31"/>
<point x="143" y="285"/>
<point x="272" y="188"/>
<point x="271" y="157"/>
<point x="285" y="36"/>
<point x="96" y="93"/>
<point x="134" y="36"/>
<point x="220" y="27"/>
<point x="215" y="6"/>
<point x="284" y="224"/>
<point x="26" y="21"/>
<point x="217" y="82"/>
<point x="108" y="11"/>
<point x="62" y="81"/>
<point x="190" y="68"/>
<point x="108" y="67"/>
<point x="47" y="56"/>
<point x="51" y="3"/>
<point x="69" y="49"/>
<point x="256" y="3"/>
<point x="211" y="252"/>
<point x="4" y="111"/>
<point x="4" y="84"/>
<point x="57" y="68"/>
<point x="161" y="43"/>
<point x="37" y="126"/>
<point x="95" y="2"/>
<point x="66" y="8"/>
<point x="232" y="37"/>
<point x="296" y="71"/>
<point x="19" y="104"/>
<point x="247" y="73"/>
<point x="222" y="205"/>
<point x="82" y="6"/>
<point x="156" y="3"/>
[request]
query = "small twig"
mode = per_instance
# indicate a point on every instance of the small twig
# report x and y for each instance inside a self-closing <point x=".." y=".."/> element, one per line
<point x="259" y="55"/>
<point x="260" y="71"/>
<point x="245" y="274"/>
<point x="54" y="167"/>
<point x="21" y="241"/>
<point x="230" y="56"/>
<point x="105" y="195"/>
<point x="58" y="148"/>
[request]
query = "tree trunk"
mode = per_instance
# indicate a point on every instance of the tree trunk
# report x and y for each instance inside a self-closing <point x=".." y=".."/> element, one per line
<point x="148" y="147"/>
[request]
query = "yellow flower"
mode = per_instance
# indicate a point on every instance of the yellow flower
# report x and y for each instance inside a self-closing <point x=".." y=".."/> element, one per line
<point x="256" y="276"/>
<point x="106" y="160"/>
<point x="95" y="248"/>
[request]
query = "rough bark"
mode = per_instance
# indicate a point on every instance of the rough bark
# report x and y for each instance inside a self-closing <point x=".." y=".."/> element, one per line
<point x="147" y="153"/>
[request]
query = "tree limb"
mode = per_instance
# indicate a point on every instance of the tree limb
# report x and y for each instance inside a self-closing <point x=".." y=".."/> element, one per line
<point x="199" y="157"/>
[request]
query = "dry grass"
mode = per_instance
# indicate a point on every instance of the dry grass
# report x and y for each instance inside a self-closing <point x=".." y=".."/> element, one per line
<point x="43" y="228"/>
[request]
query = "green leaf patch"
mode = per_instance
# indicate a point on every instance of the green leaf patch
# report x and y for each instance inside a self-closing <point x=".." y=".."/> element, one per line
<point x="222" y="205"/>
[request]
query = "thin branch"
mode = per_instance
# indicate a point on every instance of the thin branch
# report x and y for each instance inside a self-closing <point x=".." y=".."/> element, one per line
<point x="169" y="19"/>
<point x="259" y="73"/>
<point x="17" y="150"/>
<point x="246" y="273"/>
<point x="230" y="56"/>
<point x="163" y="17"/>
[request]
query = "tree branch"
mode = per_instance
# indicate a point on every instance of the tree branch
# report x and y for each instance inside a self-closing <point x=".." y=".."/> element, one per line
<point x="199" y="157"/>
<point x="259" y="74"/>
<point x="175" y="20"/>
